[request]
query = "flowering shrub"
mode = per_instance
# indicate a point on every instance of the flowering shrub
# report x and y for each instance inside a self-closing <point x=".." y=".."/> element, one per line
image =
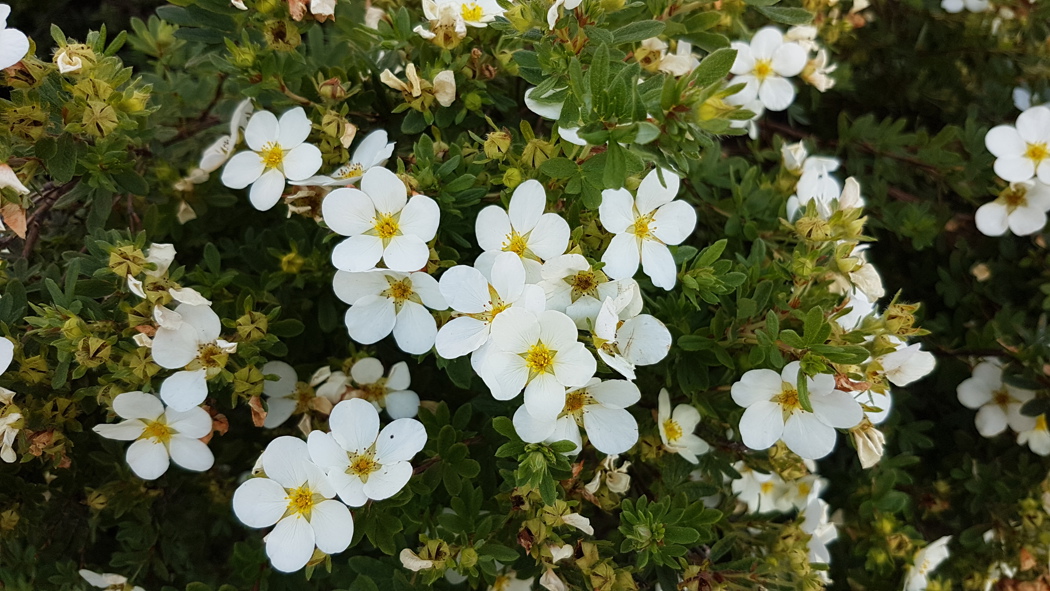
<point x="519" y="294"/>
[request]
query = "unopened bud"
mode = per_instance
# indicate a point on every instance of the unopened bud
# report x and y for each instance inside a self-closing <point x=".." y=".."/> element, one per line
<point x="252" y="326"/>
<point x="497" y="144"/>
<point x="331" y="90"/>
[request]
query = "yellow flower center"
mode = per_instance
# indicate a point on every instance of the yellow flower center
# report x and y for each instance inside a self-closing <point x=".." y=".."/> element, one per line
<point x="1040" y="423"/>
<point x="385" y="226"/>
<point x="574" y="404"/>
<point x="502" y="583"/>
<point x="763" y="69"/>
<point x="583" y="283"/>
<point x="804" y="489"/>
<point x="400" y="291"/>
<point x="348" y="171"/>
<point x="788" y="399"/>
<point x="516" y="244"/>
<point x="212" y="357"/>
<point x="157" y="430"/>
<point x="374" y="392"/>
<point x="1037" y="152"/>
<point x="362" y="465"/>
<point x="539" y="358"/>
<point x="1001" y="397"/>
<point x="1015" y="196"/>
<point x="767" y="487"/>
<point x="641" y="227"/>
<point x="301" y="501"/>
<point x="272" y="155"/>
<point x="471" y="12"/>
<point x="673" y="430"/>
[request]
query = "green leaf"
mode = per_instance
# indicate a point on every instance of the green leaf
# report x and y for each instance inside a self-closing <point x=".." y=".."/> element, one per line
<point x="714" y="67"/>
<point x="287" y="327"/>
<point x="637" y="31"/>
<point x="559" y="168"/>
<point x="498" y="552"/>
<point x="615" y="167"/>
<point x="63" y="161"/>
<point x="802" y="383"/>
<point x="599" y="70"/>
<point x="786" y="15"/>
<point x="845" y="355"/>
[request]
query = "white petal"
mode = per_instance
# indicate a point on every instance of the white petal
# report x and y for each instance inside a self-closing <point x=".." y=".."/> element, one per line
<point x="7" y="353"/>
<point x="991" y="219"/>
<point x="148" y="459"/>
<point x="388" y="481"/>
<point x="403" y="404"/>
<point x="137" y="405"/>
<point x="466" y="289"/>
<point x="526" y="205"/>
<point x="400" y="441"/>
<point x="615" y="393"/>
<point x="14" y="45"/>
<point x="261" y="129"/>
<point x="348" y="211"/>
<point x="333" y="526"/>
<point x="973" y="393"/>
<point x="643" y="340"/>
<point x="415" y="329"/>
<point x="492" y="228"/>
<point x="185" y="389"/>
<point x="294" y="128"/>
<point x="653" y="192"/>
<point x="286" y="378"/>
<point x="259" y="502"/>
<point x="658" y="264"/>
<point x="242" y="170"/>
<point x="370" y="319"/>
<point x="278" y="410"/>
<point x="744" y="62"/>
<point x="617" y="210"/>
<point x="776" y="93"/>
<point x="674" y="222"/>
<point x="545" y="397"/>
<point x="367" y="371"/>
<point x="1014" y="169"/>
<point x="193" y="423"/>
<point x="621" y="257"/>
<point x="461" y="336"/>
<point x="532" y="430"/>
<point x="504" y="373"/>
<point x="267" y="190"/>
<point x="765" y="43"/>
<point x="301" y="162"/>
<point x="420" y="217"/>
<point x="326" y="453"/>
<point x="1026" y="221"/>
<point x="611" y="430"/>
<point x="406" y="253"/>
<point x="837" y="409"/>
<point x="174" y="348"/>
<point x="515" y="330"/>
<point x="807" y="436"/>
<point x="550" y="237"/>
<point x="507" y="276"/>
<point x="291" y="544"/>
<point x="1003" y="140"/>
<point x="385" y="189"/>
<point x="789" y="60"/>
<point x="191" y="454"/>
<point x="354" y="424"/>
<point x="122" y="431"/>
<point x="574" y="366"/>
<point x="1034" y="125"/>
<point x="761" y="425"/>
<point x="351" y="287"/>
<point x="557" y="331"/>
<point x="990" y="420"/>
<point x="545" y="110"/>
<point x="428" y="291"/>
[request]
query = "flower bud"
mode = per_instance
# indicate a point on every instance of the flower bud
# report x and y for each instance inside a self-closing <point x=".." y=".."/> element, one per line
<point x="331" y="90"/>
<point x="512" y="177"/>
<point x="537" y="152"/>
<point x="248" y="382"/>
<point x="74" y="328"/>
<point x="472" y="101"/>
<point x="468" y="557"/>
<point x="92" y="352"/>
<point x="497" y="144"/>
<point x="100" y="119"/>
<point x="282" y="35"/>
<point x="252" y="326"/>
<point x="813" y="228"/>
<point x="292" y="263"/>
<point x="126" y="260"/>
<point x="900" y="318"/>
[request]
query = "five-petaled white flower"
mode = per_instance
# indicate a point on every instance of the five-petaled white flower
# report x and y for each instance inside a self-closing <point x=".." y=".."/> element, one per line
<point x="822" y="531"/>
<point x="361" y="461"/>
<point x="522" y="229"/>
<point x="381" y="222"/>
<point x="774" y="412"/>
<point x="537" y="352"/>
<point x="277" y="152"/>
<point x="374" y="150"/>
<point x="926" y="561"/>
<point x="625" y="344"/>
<point x="761" y="492"/>
<point x="282" y="394"/>
<point x="188" y="337"/>
<point x="477" y="300"/>
<point x="107" y="581"/>
<point x="14" y="45"/>
<point x="1020" y="209"/>
<point x="644" y="226"/>
<point x="764" y="65"/>
<point x="390" y="392"/>
<point x="676" y="429"/>
<point x="1037" y="438"/>
<point x="220" y="151"/>
<point x="1022" y="151"/>
<point x="599" y="407"/>
<point x="907" y="364"/>
<point x="998" y="404"/>
<point x="384" y="301"/>
<point x="574" y="287"/>
<point x="295" y="495"/>
<point x="159" y="434"/>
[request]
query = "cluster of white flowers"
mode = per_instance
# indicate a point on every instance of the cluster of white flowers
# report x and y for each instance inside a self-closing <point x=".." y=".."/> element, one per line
<point x="296" y="489"/>
<point x="998" y="406"/>
<point x="452" y="17"/>
<point x="764" y="65"/>
<point x="1022" y="158"/>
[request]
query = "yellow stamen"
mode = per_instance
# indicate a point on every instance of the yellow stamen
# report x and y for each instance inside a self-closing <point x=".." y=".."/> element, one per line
<point x="386" y="226"/>
<point x="1001" y="397"/>
<point x="788" y="399"/>
<point x="1037" y="152"/>
<point x="540" y="359"/>
<point x="471" y="12"/>
<point x="673" y="430"/>
<point x="516" y="244"/>
<point x="400" y="291"/>
<point x="1040" y="423"/>
<point x="348" y="171"/>
<point x="374" y="392"/>
<point x="301" y="501"/>
<point x="766" y="487"/>
<point x="157" y="430"/>
<point x="272" y="155"/>
<point x="363" y="465"/>
<point x="763" y="69"/>
<point x="641" y="227"/>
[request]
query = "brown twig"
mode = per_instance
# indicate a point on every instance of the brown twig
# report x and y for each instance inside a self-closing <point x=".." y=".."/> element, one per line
<point x="43" y="202"/>
<point x="202" y="121"/>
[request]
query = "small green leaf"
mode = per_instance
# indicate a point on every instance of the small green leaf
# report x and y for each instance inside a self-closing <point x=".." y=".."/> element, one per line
<point x="802" y="383"/>
<point x="786" y="15"/>
<point x="714" y="67"/>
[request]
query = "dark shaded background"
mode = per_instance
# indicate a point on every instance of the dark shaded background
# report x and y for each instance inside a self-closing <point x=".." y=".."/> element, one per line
<point x="75" y="17"/>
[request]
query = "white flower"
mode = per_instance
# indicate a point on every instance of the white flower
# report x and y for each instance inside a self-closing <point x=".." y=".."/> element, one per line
<point x="537" y="352"/>
<point x="552" y="13"/>
<point x="616" y="478"/>
<point x="383" y="301"/>
<point x="872" y="400"/>
<point x="187" y="336"/>
<point x="9" y="180"/>
<point x="373" y="14"/>
<point x="322" y="9"/>
<point x="817" y="184"/>
<point x="522" y="229"/>
<point x="1022" y="151"/>
<point x="509" y="581"/>
<point x="804" y="35"/>
<point x="238" y="4"/>
<point x="282" y="395"/>
<point x="374" y="150"/>
<point x="381" y="222"/>
<point x="623" y="345"/>
<point x="757" y="490"/>
<point x="67" y="62"/>
<point x="220" y="151"/>
<point x="764" y="66"/>
<point x="10" y="425"/>
<point x="870" y="443"/>
<point x="794" y="157"/>
<point x="161" y="255"/>
<point x="599" y="407"/>
<point x="1037" y="438"/>
<point x="676" y="429"/>
<point x="295" y="495"/>
<point x="681" y="62"/>
<point x="957" y="6"/>
<point x="822" y="531"/>
<point x="445" y="87"/>
<point x="572" y="286"/>
<point x="1020" y="209"/>
<point x="361" y="461"/>
<point x="817" y="72"/>
<point x="108" y="581"/>
<point x="907" y="364"/>
<point x="477" y="300"/>
<point x="473" y="13"/>
<point x="860" y="307"/>
<point x="926" y="561"/>
<point x="643" y="226"/>
<point x="774" y="412"/>
<point x="159" y="434"/>
<point x="390" y="392"/>
<point x="549" y="108"/>
<point x="998" y="404"/>
<point x="277" y="152"/>
<point x="14" y="45"/>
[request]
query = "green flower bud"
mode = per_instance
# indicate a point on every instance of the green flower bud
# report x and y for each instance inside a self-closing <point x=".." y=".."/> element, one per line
<point x="248" y="382"/>
<point x="126" y="260"/>
<point x="512" y="178"/>
<point x="92" y="352"/>
<point x="813" y="228"/>
<point x="472" y="101"/>
<point x="537" y="152"/>
<point x="252" y="326"/>
<point x="282" y="35"/>
<point x="468" y="557"/>
<point x="100" y="119"/>
<point x="497" y="144"/>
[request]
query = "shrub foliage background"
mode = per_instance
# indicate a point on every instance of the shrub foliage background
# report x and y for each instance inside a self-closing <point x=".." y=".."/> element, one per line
<point x="103" y="152"/>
